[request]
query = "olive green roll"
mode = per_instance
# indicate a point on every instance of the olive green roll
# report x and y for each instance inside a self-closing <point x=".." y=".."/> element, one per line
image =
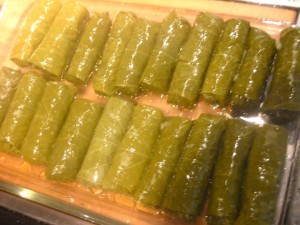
<point x="55" y="51"/>
<point x="108" y="135"/>
<point x="225" y="62"/>
<point x="193" y="60"/>
<point x="136" y="56"/>
<point x="131" y="158"/>
<point x="34" y="30"/>
<point x="263" y="175"/>
<point x="253" y="72"/>
<point x="120" y="35"/>
<point x="89" y="48"/>
<point x="9" y="80"/>
<point x="20" y="112"/>
<point x="187" y="190"/>
<point x="283" y="99"/>
<point x="224" y="199"/>
<point x="47" y="122"/>
<point x="71" y="144"/>
<point x="158" y="174"/>
<point x="158" y="72"/>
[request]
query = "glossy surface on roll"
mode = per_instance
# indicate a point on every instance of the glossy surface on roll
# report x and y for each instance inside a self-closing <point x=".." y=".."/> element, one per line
<point x="136" y="56"/>
<point x="108" y="135"/>
<point x="263" y="174"/>
<point x="158" y="173"/>
<point x="193" y="60"/>
<point x="224" y="197"/>
<point x="135" y="150"/>
<point x="158" y="72"/>
<point x="9" y="80"/>
<point x="47" y="122"/>
<point x="120" y="34"/>
<point x="54" y="52"/>
<point x="186" y="193"/>
<point x="20" y="112"/>
<point x="225" y="62"/>
<point x="33" y="30"/>
<point x="89" y="48"/>
<point x="252" y="75"/>
<point x="71" y="144"/>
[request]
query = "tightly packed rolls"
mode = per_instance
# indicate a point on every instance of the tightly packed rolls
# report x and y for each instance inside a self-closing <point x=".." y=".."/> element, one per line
<point x="108" y="135"/>
<point x="133" y="154"/>
<point x="89" y="48"/>
<point x="158" y="72"/>
<point x="263" y="174"/>
<point x="47" y="122"/>
<point x="193" y="60"/>
<point x="115" y="46"/>
<point x="166" y="153"/>
<point x="33" y="30"/>
<point x="20" y="112"/>
<point x="225" y="62"/>
<point x="283" y="99"/>
<point x="186" y="193"/>
<point x="136" y="56"/>
<point x="71" y="144"/>
<point x="224" y="198"/>
<point x="253" y="72"/>
<point x="9" y="80"/>
<point x="54" y="52"/>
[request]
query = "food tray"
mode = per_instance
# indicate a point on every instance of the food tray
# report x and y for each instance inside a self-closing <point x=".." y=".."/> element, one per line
<point x="28" y="181"/>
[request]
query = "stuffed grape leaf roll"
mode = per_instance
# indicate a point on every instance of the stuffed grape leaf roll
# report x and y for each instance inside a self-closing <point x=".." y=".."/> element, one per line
<point x="186" y="192"/>
<point x="108" y="135"/>
<point x="120" y="34"/>
<point x="54" y="52"/>
<point x="47" y="121"/>
<point x="136" y="56"/>
<point x="263" y="174"/>
<point x="89" y="48"/>
<point x="225" y="62"/>
<point x="20" y="112"/>
<point x="193" y="60"/>
<point x="71" y="144"/>
<point x="253" y="72"/>
<point x="224" y="198"/>
<point x="283" y="99"/>
<point x="131" y="158"/>
<point x="34" y="30"/>
<point x="158" y="173"/>
<point x="9" y="80"/>
<point x="158" y="72"/>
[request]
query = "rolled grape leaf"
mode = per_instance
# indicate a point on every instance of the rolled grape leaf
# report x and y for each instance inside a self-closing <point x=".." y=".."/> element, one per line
<point x="253" y="72"/>
<point x="120" y="34"/>
<point x="20" y="112"/>
<point x="108" y="135"/>
<point x="263" y="174"/>
<point x="224" y="199"/>
<point x="225" y="62"/>
<point x="186" y="192"/>
<point x="283" y="99"/>
<point x="33" y="30"/>
<point x="136" y="56"/>
<point x="9" y="80"/>
<point x="131" y="158"/>
<point x="89" y="48"/>
<point x="158" y="174"/>
<point x="47" y="122"/>
<point x="193" y="60"/>
<point x="158" y="72"/>
<point x="54" y="52"/>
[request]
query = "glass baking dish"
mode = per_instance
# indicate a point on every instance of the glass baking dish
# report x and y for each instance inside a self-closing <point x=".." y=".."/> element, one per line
<point x="28" y="181"/>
